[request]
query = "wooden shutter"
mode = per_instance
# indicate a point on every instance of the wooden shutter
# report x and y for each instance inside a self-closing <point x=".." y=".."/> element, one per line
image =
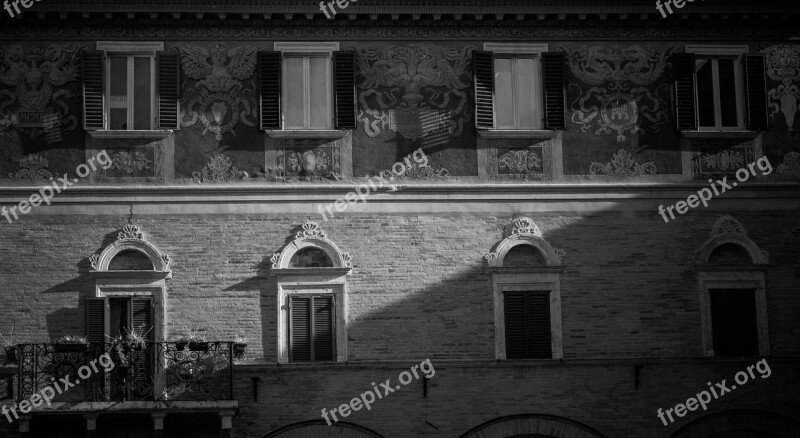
<point x="269" y="74"/>
<point x="93" y="77"/>
<point x="553" y="86"/>
<point x="141" y="372"/>
<point x="168" y="67"/>
<point x="733" y="322"/>
<point x="344" y="87"/>
<point x="756" y="84"/>
<point x="323" y="328"/>
<point x="299" y="328"/>
<point x="683" y="65"/>
<point x="97" y="319"/>
<point x="483" y="63"/>
<point x="527" y="324"/>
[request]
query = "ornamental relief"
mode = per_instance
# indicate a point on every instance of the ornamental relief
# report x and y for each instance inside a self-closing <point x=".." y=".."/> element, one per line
<point x="419" y="91"/>
<point x="618" y="98"/>
<point x="623" y="164"/>
<point x="783" y="65"/>
<point x="717" y="159"/>
<point x="40" y="88"/>
<point x="224" y="92"/>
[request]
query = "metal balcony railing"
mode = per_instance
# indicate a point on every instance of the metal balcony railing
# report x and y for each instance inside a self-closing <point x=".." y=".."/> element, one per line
<point x="168" y="371"/>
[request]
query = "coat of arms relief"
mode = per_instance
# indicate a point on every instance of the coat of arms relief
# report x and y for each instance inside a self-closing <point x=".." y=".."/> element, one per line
<point x="419" y="91"/>
<point x="783" y="65"/>
<point x="618" y="97"/>
<point x="222" y="95"/>
<point x="38" y="94"/>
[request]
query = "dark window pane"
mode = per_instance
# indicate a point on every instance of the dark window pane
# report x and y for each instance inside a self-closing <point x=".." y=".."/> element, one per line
<point x="118" y="99"/>
<point x="310" y="258"/>
<point x="705" y="93"/>
<point x="118" y="316"/>
<point x="733" y="322"/>
<point x="142" y="96"/>
<point x="727" y="93"/>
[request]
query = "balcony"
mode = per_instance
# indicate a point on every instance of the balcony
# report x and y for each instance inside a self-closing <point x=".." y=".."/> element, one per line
<point x="162" y="371"/>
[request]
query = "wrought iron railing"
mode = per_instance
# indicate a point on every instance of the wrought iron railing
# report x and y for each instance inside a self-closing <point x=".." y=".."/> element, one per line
<point x="160" y="371"/>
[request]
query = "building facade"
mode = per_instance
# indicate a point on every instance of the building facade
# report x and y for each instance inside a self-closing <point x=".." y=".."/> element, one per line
<point x="400" y="219"/>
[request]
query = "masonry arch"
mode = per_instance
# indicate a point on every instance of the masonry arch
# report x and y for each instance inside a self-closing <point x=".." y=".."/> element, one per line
<point x="321" y="429"/>
<point x="532" y="426"/>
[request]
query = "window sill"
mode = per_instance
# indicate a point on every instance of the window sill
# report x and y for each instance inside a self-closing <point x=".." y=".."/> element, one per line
<point x="518" y="133"/>
<point x="307" y="133"/>
<point x="126" y="274"/>
<point x="161" y="133"/>
<point x="308" y="272"/>
<point x="732" y="134"/>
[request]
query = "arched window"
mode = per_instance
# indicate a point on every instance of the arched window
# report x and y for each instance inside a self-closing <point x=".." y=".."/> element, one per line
<point x="130" y="260"/>
<point x="730" y="269"/>
<point x="312" y="298"/>
<point x="526" y="282"/>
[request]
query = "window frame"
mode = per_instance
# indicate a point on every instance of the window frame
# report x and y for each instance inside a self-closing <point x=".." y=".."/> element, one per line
<point x="729" y="279"/>
<point x="306" y="50"/>
<point x="713" y="53"/>
<point x="540" y="282"/>
<point x="515" y="51"/>
<point x="529" y="291"/>
<point x="288" y="287"/>
<point x="130" y="50"/>
<point x="334" y="325"/>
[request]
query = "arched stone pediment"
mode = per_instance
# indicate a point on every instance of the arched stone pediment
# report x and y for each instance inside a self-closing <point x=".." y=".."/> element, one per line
<point x="130" y="239"/>
<point x="311" y="236"/>
<point x="729" y="230"/>
<point x="524" y="232"/>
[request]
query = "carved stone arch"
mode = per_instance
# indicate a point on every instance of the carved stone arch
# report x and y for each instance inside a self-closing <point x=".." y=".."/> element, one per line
<point x="312" y="236"/>
<point x="766" y="424"/>
<point x="729" y="230"/>
<point x="131" y="239"/>
<point x="524" y="232"/>
<point x="320" y="429"/>
<point x="532" y="425"/>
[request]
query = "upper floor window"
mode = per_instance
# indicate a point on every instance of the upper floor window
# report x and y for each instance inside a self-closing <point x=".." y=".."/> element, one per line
<point x="518" y="86"/>
<point x="719" y="88"/>
<point x="130" y="86"/>
<point x="307" y="86"/>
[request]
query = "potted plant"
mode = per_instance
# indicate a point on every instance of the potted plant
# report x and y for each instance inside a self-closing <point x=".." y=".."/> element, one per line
<point x="239" y="346"/>
<point x="10" y="347"/>
<point x="70" y="344"/>
<point x="121" y="346"/>
<point x="193" y="339"/>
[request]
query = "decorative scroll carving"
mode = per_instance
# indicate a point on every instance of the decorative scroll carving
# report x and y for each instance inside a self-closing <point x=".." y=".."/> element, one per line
<point x="129" y="162"/>
<point x="728" y="225"/>
<point x="729" y="230"/>
<point x="130" y="232"/>
<point x="623" y="164"/>
<point x="523" y="231"/>
<point x="719" y="158"/>
<point x="219" y="98"/>
<point x="218" y="169"/>
<point x="311" y="235"/>
<point x="131" y="238"/>
<point x="618" y="95"/>
<point x="790" y="168"/>
<point x="310" y="229"/>
<point x="525" y="227"/>
<point x="32" y="166"/>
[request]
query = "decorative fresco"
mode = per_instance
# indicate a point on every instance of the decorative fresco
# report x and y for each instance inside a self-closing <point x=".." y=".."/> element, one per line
<point x="618" y="97"/>
<point x="719" y="158"/>
<point x="218" y="168"/>
<point x="623" y="164"/>
<point x="783" y="65"/>
<point x="223" y="95"/>
<point x="32" y="166"/>
<point x="130" y="162"/>
<point x="419" y="91"/>
<point x="39" y="90"/>
<point x="309" y="159"/>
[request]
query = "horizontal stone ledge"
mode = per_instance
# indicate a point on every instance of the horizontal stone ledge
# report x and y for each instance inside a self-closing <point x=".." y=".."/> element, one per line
<point x="139" y="406"/>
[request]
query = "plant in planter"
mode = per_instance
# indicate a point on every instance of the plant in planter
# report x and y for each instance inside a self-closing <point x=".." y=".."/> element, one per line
<point x="239" y="346"/>
<point x="121" y="346"/>
<point x="193" y="339"/>
<point x="70" y="344"/>
<point x="10" y="347"/>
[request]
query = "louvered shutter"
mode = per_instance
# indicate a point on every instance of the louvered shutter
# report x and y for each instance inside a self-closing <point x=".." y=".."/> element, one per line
<point x="323" y="329"/>
<point x="299" y="328"/>
<point x="553" y="86"/>
<point x="141" y="372"/>
<point x="515" y="325"/>
<point x="269" y="82"/>
<point x="97" y="328"/>
<point x="168" y="70"/>
<point x="756" y="83"/>
<point x="733" y="322"/>
<point x="483" y="64"/>
<point x="344" y="86"/>
<point x="683" y="65"/>
<point x="97" y="319"/>
<point x="93" y="77"/>
<point x="527" y="324"/>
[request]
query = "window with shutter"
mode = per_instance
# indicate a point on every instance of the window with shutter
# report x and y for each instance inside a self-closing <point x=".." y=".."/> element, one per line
<point x="168" y="89"/>
<point x="756" y="92"/>
<point x="527" y="325"/>
<point x="311" y="331"/>
<point x="344" y="87"/>
<point x="93" y="78"/>
<point x="733" y="321"/>
<point x="269" y="72"/>
<point x="97" y="319"/>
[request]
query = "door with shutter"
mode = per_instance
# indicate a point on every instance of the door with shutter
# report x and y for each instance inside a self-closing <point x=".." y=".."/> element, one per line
<point x="527" y="325"/>
<point x="97" y="329"/>
<point x="312" y="328"/>
<point x="140" y="379"/>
